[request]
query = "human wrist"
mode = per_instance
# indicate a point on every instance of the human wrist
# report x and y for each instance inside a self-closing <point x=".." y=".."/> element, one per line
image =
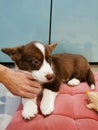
<point x="3" y="71"/>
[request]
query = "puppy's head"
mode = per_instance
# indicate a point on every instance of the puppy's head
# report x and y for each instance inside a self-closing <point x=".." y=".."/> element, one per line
<point x="34" y="57"/>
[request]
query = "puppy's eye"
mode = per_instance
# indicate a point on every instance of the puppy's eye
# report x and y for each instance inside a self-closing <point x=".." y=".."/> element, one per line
<point x="36" y="62"/>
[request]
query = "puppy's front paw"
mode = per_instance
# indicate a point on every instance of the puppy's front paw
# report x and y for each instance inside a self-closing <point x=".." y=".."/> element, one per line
<point x="29" y="111"/>
<point x="46" y="108"/>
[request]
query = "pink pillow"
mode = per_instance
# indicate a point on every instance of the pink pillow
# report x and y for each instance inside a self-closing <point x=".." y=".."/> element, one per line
<point x="70" y="112"/>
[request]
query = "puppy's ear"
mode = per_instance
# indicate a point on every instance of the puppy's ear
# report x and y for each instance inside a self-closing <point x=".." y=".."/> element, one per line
<point x="52" y="46"/>
<point x="15" y="53"/>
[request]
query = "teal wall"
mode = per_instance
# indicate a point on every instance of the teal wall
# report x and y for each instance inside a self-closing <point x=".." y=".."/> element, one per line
<point x="22" y="21"/>
<point x="74" y="25"/>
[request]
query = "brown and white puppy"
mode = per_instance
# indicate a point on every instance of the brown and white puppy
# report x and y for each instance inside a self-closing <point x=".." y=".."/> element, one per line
<point x="50" y="70"/>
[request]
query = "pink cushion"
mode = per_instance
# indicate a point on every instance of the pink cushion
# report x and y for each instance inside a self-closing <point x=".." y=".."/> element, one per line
<point x="70" y="112"/>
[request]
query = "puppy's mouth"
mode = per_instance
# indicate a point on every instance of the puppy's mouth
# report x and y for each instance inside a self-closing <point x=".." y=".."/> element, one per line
<point x="50" y="77"/>
<point x="44" y="79"/>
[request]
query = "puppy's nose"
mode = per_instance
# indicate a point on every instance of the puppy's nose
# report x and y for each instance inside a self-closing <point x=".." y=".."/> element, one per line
<point x="50" y="76"/>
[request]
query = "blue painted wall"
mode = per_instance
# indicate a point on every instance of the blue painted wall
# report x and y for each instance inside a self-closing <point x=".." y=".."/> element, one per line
<point x="22" y="21"/>
<point x="75" y="27"/>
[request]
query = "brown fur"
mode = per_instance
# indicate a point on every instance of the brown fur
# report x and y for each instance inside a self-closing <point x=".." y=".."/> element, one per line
<point x="66" y="66"/>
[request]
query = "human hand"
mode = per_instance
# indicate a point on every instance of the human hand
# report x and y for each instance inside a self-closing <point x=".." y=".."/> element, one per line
<point x="20" y="83"/>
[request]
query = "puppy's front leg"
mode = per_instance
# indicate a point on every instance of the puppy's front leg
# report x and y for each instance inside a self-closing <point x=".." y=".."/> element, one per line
<point x="48" y="101"/>
<point x="29" y="108"/>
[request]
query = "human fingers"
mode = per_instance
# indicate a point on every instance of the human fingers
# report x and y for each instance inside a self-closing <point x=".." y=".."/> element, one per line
<point x="33" y="90"/>
<point x="35" y="84"/>
<point x="26" y="94"/>
<point x="26" y="73"/>
<point x="24" y="91"/>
